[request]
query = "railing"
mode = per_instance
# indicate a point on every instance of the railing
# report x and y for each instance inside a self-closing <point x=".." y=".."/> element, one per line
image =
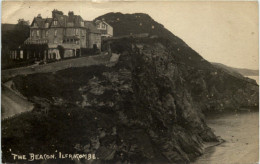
<point x="40" y="41"/>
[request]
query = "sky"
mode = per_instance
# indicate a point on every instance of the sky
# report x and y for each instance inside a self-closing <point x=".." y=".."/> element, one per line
<point x="223" y="32"/>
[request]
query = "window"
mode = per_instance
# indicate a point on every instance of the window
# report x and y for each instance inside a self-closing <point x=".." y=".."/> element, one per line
<point x="55" y="22"/>
<point x="64" y="31"/>
<point x="46" y="25"/>
<point x="55" y="33"/>
<point x="103" y="25"/>
<point x="47" y="33"/>
<point x="82" y="24"/>
<point x="32" y="33"/>
<point x="77" y="32"/>
<point x="35" y="24"/>
<point x="38" y="33"/>
<point x="82" y="32"/>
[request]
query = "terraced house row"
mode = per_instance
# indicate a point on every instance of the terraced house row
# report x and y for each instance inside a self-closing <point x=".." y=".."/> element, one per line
<point x="61" y="36"/>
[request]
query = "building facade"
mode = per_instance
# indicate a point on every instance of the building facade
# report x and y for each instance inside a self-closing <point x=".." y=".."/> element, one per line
<point x="59" y="37"/>
<point x="105" y="29"/>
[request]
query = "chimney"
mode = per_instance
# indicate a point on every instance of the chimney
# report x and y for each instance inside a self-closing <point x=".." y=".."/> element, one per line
<point x="56" y="12"/>
<point x="39" y="16"/>
<point x="71" y="13"/>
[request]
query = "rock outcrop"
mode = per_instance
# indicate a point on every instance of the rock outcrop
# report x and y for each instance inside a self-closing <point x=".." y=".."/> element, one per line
<point x="147" y="108"/>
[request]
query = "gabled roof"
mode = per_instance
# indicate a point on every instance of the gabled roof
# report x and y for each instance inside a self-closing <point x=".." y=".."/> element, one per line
<point x="91" y="27"/>
<point x="70" y="20"/>
<point x="41" y="22"/>
<point x="38" y="21"/>
<point x="102" y="22"/>
<point x="62" y="19"/>
<point x="48" y="20"/>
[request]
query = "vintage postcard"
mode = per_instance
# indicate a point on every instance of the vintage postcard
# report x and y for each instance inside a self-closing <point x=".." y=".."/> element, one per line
<point x="129" y="82"/>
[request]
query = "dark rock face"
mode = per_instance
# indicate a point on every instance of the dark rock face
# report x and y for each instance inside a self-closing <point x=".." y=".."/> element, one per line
<point x="153" y="117"/>
<point x="214" y="88"/>
<point x="146" y="108"/>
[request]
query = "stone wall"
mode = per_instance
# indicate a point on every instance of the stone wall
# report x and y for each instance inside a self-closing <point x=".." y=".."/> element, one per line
<point x="68" y="53"/>
<point x="94" y="39"/>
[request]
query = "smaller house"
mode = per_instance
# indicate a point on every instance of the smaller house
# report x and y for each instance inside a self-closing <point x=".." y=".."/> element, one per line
<point x="105" y="28"/>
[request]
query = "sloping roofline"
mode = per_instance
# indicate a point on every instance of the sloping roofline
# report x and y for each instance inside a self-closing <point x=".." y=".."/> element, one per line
<point x="103" y="22"/>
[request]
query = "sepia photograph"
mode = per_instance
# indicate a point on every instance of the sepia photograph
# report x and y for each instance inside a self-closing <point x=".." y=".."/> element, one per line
<point x="127" y="82"/>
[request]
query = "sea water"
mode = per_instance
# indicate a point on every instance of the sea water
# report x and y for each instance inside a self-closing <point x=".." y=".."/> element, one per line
<point x="240" y="132"/>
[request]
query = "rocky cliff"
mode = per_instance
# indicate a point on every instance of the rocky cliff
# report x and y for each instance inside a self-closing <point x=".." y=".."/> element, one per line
<point x="147" y="108"/>
<point x="214" y="88"/>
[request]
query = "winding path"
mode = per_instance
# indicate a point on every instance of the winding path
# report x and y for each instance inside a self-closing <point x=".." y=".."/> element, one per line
<point x="13" y="103"/>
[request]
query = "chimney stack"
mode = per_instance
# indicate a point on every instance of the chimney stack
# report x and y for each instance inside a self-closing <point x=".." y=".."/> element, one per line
<point x="56" y="12"/>
<point x="39" y="16"/>
<point x="71" y="13"/>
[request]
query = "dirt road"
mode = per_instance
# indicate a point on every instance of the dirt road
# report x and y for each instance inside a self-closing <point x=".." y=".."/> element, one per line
<point x="13" y="103"/>
<point x="56" y="66"/>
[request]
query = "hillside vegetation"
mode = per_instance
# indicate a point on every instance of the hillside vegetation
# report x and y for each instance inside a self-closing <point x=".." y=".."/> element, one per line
<point x="13" y="36"/>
